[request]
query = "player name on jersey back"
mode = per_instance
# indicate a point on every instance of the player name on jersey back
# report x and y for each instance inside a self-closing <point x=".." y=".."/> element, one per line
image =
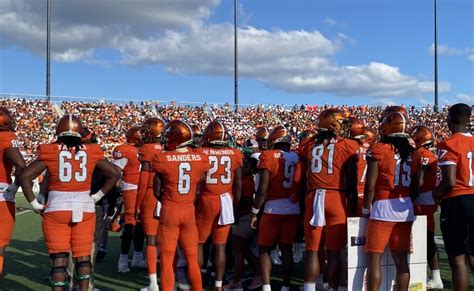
<point x="183" y="157"/>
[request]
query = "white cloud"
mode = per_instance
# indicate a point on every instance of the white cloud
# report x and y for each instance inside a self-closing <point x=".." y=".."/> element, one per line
<point x="331" y="22"/>
<point x="177" y="35"/>
<point x="451" y="51"/>
<point x="459" y="98"/>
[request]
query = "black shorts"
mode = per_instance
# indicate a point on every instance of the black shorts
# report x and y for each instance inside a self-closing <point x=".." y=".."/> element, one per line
<point x="457" y="224"/>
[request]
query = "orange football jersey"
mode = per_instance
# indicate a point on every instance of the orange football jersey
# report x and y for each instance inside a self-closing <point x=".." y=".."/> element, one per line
<point x="394" y="177"/>
<point x="146" y="154"/>
<point x="70" y="171"/>
<point x="325" y="163"/>
<point x="7" y="140"/>
<point x="428" y="159"/>
<point x="458" y="150"/>
<point x="285" y="173"/>
<point x="180" y="173"/>
<point x="131" y="171"/>
<point x="361" y="169"/>
<point x="223" y="163"/>
<point x="248" y="190"/>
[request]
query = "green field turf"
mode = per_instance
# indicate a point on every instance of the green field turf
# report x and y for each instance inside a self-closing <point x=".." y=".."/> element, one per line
<point x="27" y="263"/>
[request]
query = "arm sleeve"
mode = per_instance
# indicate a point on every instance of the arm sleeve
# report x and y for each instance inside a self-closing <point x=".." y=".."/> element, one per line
<point x="447" y="156"/>
<point x="264" y="162"/>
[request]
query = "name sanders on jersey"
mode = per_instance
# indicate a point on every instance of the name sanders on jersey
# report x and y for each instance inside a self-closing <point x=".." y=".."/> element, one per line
<point x="183" y="158"/>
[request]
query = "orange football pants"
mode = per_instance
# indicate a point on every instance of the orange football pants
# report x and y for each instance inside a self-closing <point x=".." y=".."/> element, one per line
<point x="275" y="228"/>
<point x="207" y="216"/>
<point x="178" y="223"/>
<point x="334" y="233"/>
<point x="429" y="211"/>
<point x="129" y="204"/>
<point x="61" y="235"/>
<point x="147" y="213"/>
<point x="380" y="233"/>
<point x="7" y="222"/>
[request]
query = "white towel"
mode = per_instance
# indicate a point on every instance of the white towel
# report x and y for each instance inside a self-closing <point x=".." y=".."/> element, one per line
<point x="77" y="216"/>
<point x="318" y="218"/>
<point x="158" y="209"/>
<point x="227" y="210"/>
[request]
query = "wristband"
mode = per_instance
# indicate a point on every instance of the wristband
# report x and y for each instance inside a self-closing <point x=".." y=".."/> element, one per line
<point x="97" y="196"/>
<point x="36" y="205"/>
<point x="255" y="211"/>
<point x="365" y="211"/>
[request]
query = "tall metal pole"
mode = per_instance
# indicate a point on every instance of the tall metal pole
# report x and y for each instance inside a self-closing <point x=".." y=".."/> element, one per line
<point x="436" y="55"/>
<point x="236" y="66"/>
<point x="48" y="51"/>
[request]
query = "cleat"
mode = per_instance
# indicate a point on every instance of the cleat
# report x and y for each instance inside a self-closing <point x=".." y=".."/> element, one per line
<point x="257" y="282"/>
<point x="151" y="288"/>
<point x="122" y="265"/>
<point x="432" y="284"/>
<point x="233" y="287"/>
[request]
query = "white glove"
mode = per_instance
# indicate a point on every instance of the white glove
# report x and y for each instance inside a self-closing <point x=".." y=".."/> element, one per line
<point x="10" y="192"/>
<point x="37" y="207"/>
<point x="97" y="196"/>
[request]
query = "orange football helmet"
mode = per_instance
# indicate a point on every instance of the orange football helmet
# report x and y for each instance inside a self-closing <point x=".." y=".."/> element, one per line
<point x="177" y="134"/>
<point x="133" y="135"/>
<point x="370" y="136"/>
<point x="422" y="135"/>
<point x="197" y="135"/>
<point x="261" y="136"/>
<point x="152" y="128"/>
<point x="216" y="134"/>
<point x="331" y="120"/>
<point x="69" y="125"/>
<point x="354" y="128"/>
<point x="394" y="108"/>
<point x="7" y="122"/>
<point x="394" y="123"/>
<point x="279" y="135"/>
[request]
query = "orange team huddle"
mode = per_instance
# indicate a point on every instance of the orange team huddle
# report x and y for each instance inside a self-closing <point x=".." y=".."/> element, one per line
<point x="184" y="191"/>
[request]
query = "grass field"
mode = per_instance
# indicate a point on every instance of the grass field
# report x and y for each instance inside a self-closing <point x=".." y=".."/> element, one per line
<point x="27" y="263"/>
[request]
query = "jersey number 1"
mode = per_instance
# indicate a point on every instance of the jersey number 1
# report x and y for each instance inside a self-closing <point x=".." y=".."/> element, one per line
<point x="470" y="157"/>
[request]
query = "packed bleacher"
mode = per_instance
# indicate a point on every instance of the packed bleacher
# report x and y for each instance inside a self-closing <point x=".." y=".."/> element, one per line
<point x="36" y="118"/>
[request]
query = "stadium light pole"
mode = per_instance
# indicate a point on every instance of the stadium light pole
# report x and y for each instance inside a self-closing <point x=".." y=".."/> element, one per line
<point x="436" y="55"/>
<point x="236" y="66"/>
<point x="48" y="51"/>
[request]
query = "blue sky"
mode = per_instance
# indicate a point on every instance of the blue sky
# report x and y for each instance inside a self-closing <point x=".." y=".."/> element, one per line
<point x="292" y="51"/>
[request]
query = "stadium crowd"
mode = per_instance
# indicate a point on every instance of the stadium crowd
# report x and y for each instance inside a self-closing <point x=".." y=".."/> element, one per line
<point x="295" y="176"/>
<point x="35" y="118"/>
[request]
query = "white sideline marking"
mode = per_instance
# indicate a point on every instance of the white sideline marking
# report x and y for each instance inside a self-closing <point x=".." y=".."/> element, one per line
<point x="22" y="212"/>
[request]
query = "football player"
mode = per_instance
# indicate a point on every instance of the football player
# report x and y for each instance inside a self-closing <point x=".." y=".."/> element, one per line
<point x="126" y="157"/>
<point x="69" y="214"/>
<point x="197" y="136"/>
<point x="223" y="185"/>
<point x="424" y="203"/>
<point x="261" y="136"/>
<point x="280" y="174"/>
<point x="178" y="172"/>
<point x="456" y="189"/>
<point x="357" y="131"/>
<point x="10" y="157"/>
<point x="147" y="205"/>
<point x="391" y="164"/>
<point x="330" y="163"/>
